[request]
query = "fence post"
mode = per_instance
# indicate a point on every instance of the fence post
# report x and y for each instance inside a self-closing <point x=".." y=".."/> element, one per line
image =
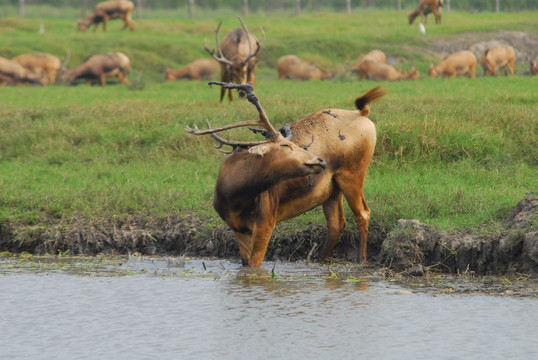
<point x="83" y="8"/>
<point x="138" y="8"/>
<point x="245" y="8"/>
<point x="21" y="8"/>
<point x="297" y="7"/>
<point x="191" y="9"/>
<point x="496" y="6"/>
<point x="348" y="6"/>
<point x="399" y="5"/>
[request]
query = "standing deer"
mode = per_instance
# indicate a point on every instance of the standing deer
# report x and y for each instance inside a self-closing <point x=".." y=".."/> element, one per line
<point x="238" y="56"/>
<point x="35" y="62"/>
<point x="500" y="56"/>
<point x="107" y="10"/>
<point x="15" y="74"/>
<point x="99" y="66"/>
<point x="322" y="159"/>
<point x="424" y="8"/>
<point x="294" y="68"/>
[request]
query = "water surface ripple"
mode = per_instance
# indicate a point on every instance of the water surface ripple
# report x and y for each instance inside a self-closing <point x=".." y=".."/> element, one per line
<point x="223" y="312"/>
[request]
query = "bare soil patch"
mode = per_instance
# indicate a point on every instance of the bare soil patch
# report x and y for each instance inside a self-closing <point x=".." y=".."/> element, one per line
<point x="525" y="45"/>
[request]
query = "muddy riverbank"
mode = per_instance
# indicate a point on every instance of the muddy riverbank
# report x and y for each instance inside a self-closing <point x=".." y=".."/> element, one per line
<point x="409" y="247"/>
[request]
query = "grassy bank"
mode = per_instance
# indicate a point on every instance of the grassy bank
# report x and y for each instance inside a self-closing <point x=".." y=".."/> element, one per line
<point x="451" y="152"/>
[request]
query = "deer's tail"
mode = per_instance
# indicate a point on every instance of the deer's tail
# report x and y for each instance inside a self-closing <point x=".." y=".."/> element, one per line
<point x="369" y="97"/>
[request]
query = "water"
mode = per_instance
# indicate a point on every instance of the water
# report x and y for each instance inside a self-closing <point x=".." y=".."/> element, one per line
<point x="162" y="309"/>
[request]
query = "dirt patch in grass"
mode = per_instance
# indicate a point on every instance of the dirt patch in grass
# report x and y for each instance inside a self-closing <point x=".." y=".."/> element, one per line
<point x="410" y="247"/>
<point x="525" y="45"/>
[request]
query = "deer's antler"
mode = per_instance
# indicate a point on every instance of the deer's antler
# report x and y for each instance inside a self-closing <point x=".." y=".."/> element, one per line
<point x="263" y="121"/>
<point x="258" y="44"/>
<point x="220" y="58"/>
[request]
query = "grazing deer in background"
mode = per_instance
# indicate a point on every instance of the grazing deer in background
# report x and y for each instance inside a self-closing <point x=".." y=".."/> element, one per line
<point x="15" y="74"/>
<point x="99" y="67"/>
<point x="107" y="10"/>
<point x="500" y="56"/>
<point x="199" y="69"/>
<point x="534" y="66"/>
<point x="424" y="8"/>
<point x="377" y="71"/>
<point x="294" y="68"/>
<point x="321" y="159"/>
<point x="374" y="55"/>
<point x="458" y="63"/>
<point x="238" y="55"/>
<point x="35" y="62"/>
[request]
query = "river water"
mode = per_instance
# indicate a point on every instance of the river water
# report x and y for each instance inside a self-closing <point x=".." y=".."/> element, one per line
<point x="163" y="308"/>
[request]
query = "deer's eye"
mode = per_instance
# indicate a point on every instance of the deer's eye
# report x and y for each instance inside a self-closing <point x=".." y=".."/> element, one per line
<point x="286" y="145"/>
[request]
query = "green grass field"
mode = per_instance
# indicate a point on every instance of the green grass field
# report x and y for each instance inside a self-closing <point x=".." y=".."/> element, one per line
<point x="451" y="152"/>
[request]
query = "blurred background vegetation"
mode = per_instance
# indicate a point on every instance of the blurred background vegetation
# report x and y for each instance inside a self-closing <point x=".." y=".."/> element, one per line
<point x="203" y="8"/>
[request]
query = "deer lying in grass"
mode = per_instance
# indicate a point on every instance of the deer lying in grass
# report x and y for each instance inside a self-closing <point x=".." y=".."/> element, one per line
<point x="37" y="62"/>
<point x="374" y="55"/>
<point x="238" y="55"/>
<point x="458" y="63"/>
<point x="15" y="74"/>
<point x="199" y="69"/>
<point x="426" y="7"/>
<point x="500" y="56"/>
<point x="374" y="70"/>
<point x="294" y="68"/>
<point x="99" y="67"/>
<point x="321" y="159"/>
<point x="104" y="11"/>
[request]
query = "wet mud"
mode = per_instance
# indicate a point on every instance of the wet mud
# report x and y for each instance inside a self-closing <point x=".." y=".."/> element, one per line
<point x="408" y="247"/>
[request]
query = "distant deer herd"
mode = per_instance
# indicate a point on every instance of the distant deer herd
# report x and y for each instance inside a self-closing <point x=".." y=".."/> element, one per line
<point x="318" y="160"/>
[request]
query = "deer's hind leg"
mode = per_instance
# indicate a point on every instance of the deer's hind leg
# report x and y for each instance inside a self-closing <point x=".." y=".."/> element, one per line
<point x="333" y="209"/>
<point x="353" y="192"/>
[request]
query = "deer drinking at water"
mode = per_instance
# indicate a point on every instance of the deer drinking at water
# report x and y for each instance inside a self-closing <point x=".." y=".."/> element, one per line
<point x="317" y="160"/>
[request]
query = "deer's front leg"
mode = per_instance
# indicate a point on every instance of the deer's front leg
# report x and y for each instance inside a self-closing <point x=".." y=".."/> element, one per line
<point x="245" y="246"/>
<point x="260" y="240"/>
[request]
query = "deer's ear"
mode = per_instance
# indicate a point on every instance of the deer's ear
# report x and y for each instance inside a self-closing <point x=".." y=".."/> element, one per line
<point x="259" y="150"/>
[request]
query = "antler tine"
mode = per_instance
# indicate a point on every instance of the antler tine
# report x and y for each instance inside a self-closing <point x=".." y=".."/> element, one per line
<point x="263" y="33"/>
<point x="220" y="58"/>
<point x="258" y="44"/>
<point x="248" y="39"/>
<point x="235" y="144"/>
<point x="251" y="97"/>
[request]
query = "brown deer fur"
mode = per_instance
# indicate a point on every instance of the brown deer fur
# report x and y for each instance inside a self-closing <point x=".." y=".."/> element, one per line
<point x="15" y="74"/>
<point x="534" y="66"/>
<point x="459" y="63"/>
<point x="424" y="8"/>
<point x="259" y="186"/>
<point x="382" y="72"/>
<point x="199" y="69"/>
<point x="99" y="66"/>
<point x="294" y="68"/>
<point x="35" y="62"/>
<point x="374" y="55"/>
<point x="238" y="55"/>
<point x="500" y="56"/>
<point x="104" y="11"/>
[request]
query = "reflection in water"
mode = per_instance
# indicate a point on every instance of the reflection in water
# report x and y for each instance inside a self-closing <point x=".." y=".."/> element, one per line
<point x="218" y="310"/>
